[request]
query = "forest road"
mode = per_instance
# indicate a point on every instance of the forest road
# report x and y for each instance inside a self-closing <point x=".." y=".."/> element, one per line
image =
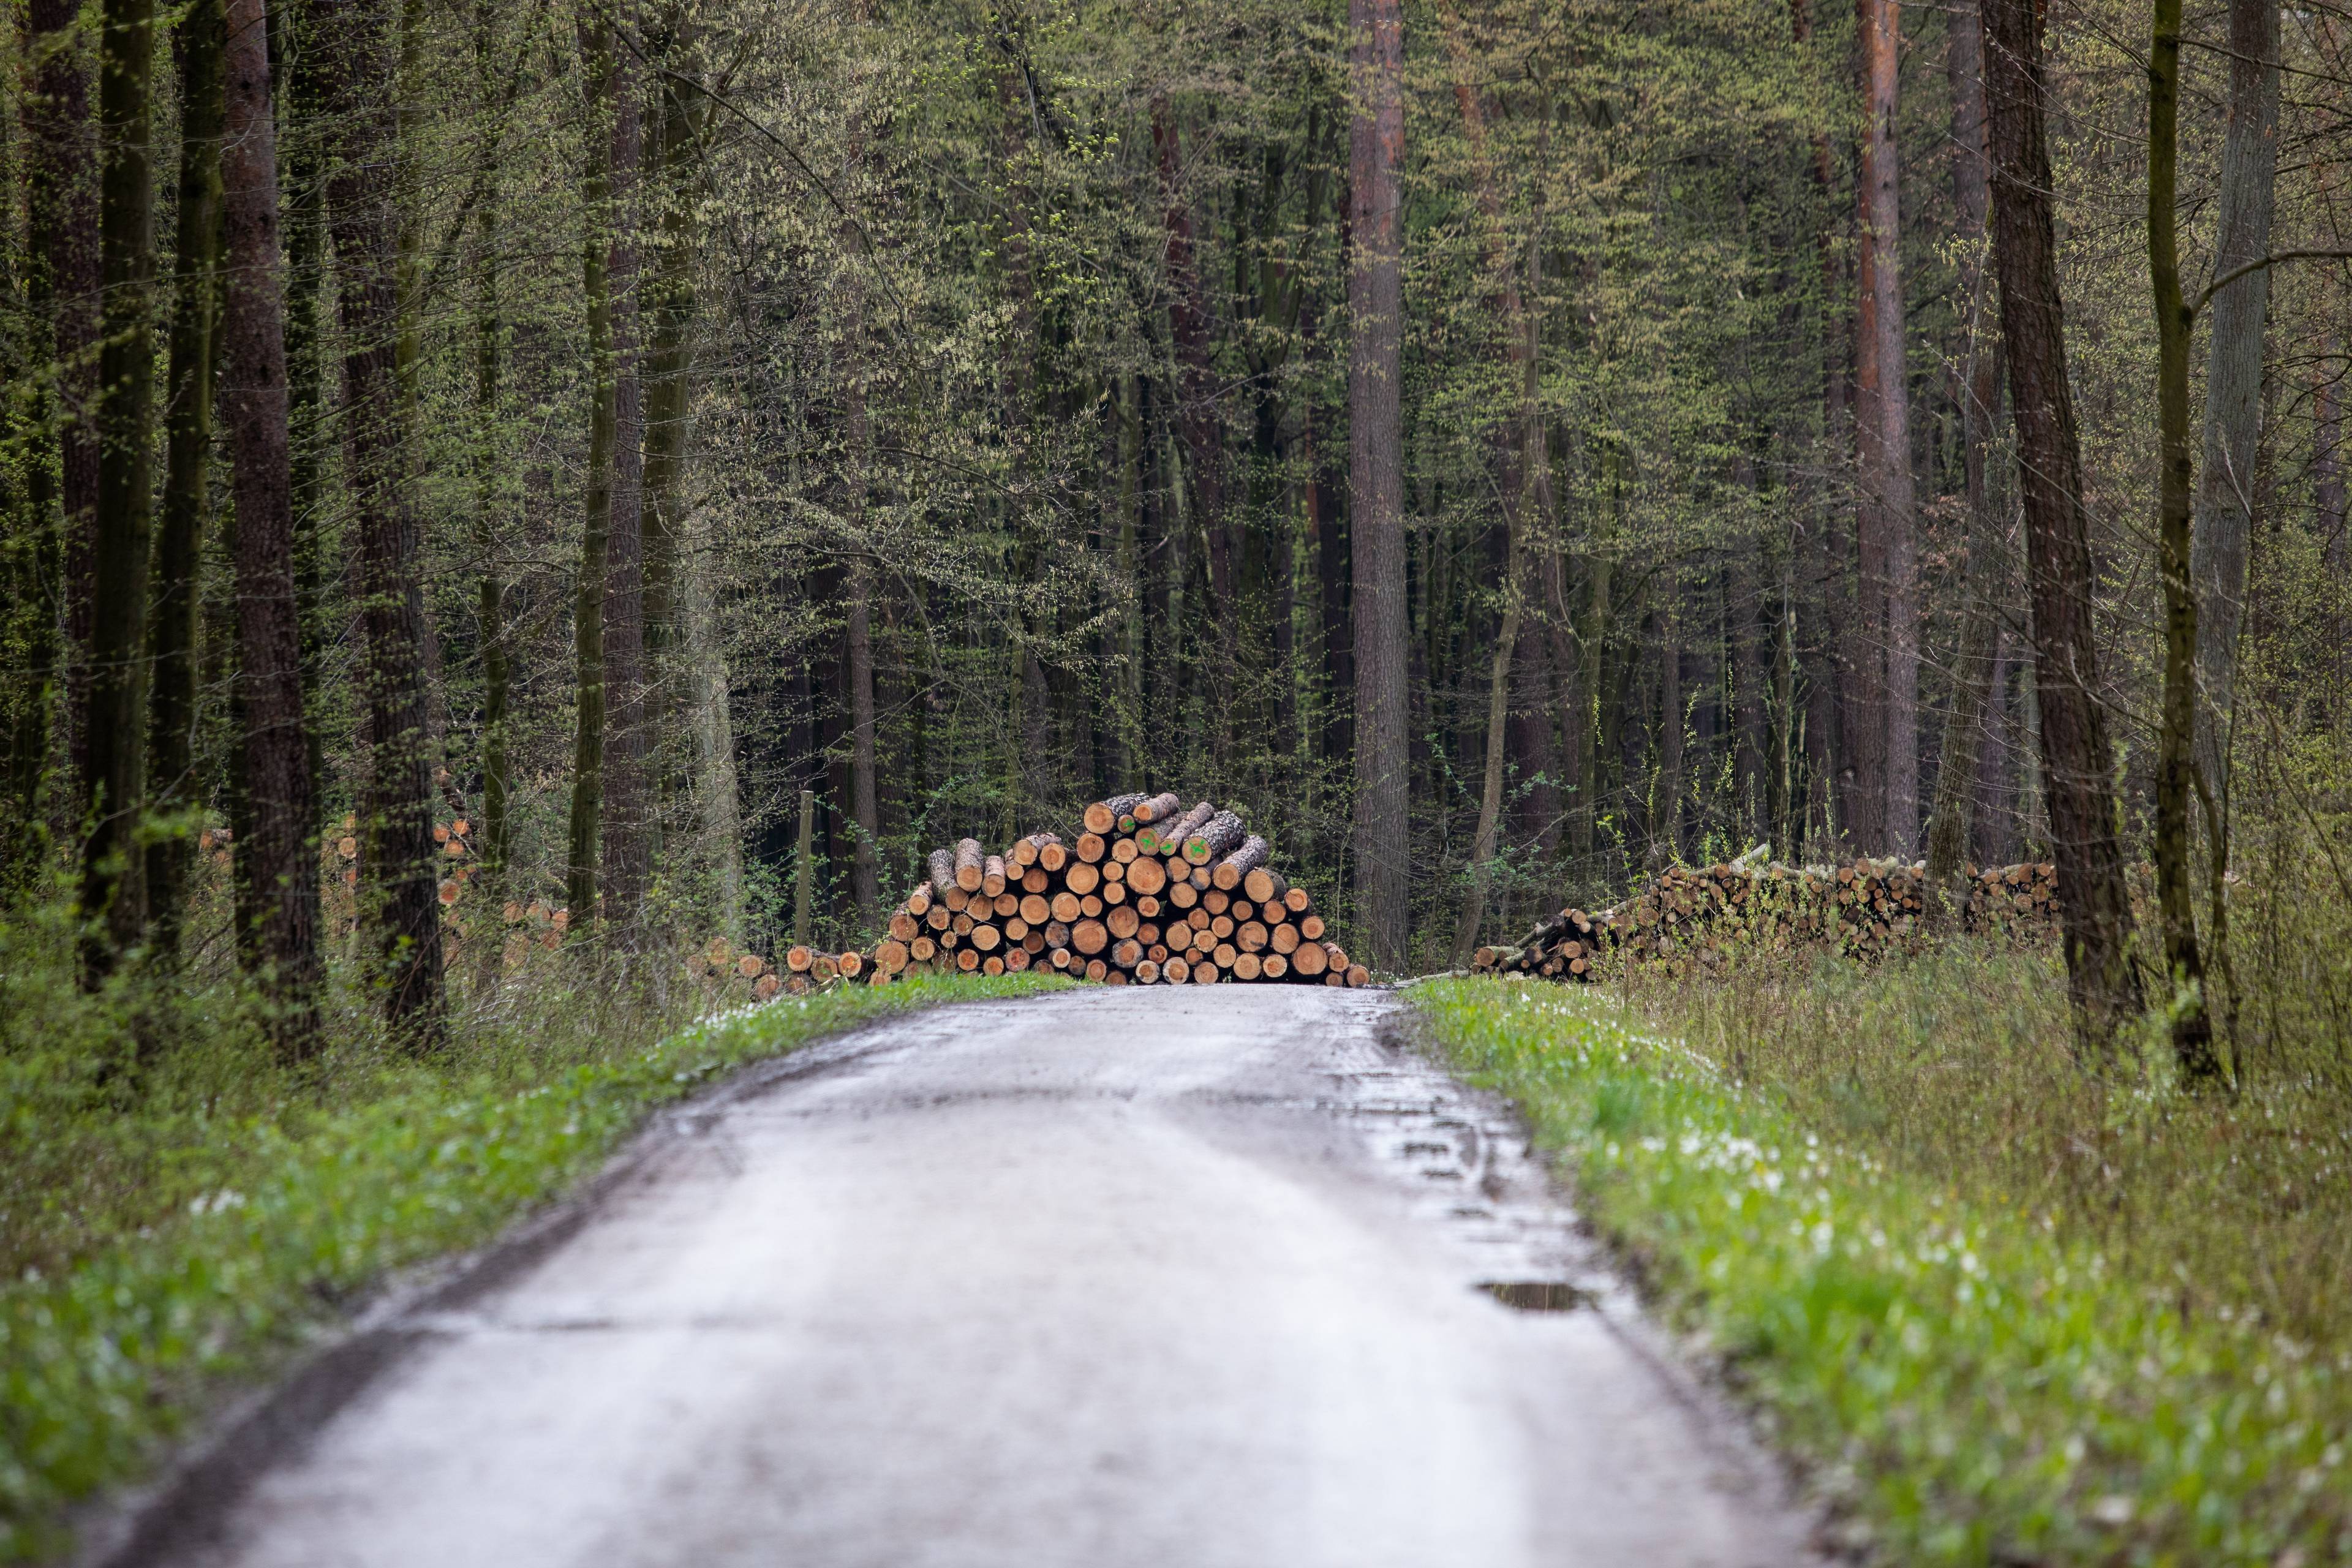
<point x="1115" y="1277"/>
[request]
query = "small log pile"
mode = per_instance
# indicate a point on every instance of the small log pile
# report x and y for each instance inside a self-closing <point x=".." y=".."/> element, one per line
<point x="1696" y="915"/>
<point x="1146" y="892"/>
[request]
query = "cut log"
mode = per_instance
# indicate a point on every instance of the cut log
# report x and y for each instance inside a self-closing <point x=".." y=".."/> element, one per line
<point x="822" y="968"/>
<point x="1311" y="927"/>
<point x="1146" y="972"/>
<point x="968" y="959"/>
<point x="1247" y="967"/>
<point x="1035" y="909"/>
<point x="1310" y="959"/>
<point x="1082" y="879"/>
<point x="1127" y="952"/>
<point x="799" y="959"/>
<point x="1264" y="885"/>
<point x="1058" y="933"/>
<point x="1220" y="837"/>
<point x="1274" y="966"/>
<point x="1063" y="906"/>
<point x="1158" y="807"/>
<point x="1182" y="894"/>
<point x="1296" y="900"/>
<point x="992" y="965"/>
<point x="943" y="870"/>
<point x="1097" y="969"/>
<point x="992" y="875"/>
<point x="1359" y="975"/>
<point x="1103" y="814"/>
<point x="918" y="902"/>
<point x="1147" y="875"/>
<point x="1167" y="837"/>
<point x="850" y="964"/>
<point x="903" y="926"/>
<point x="969" y="860"/>
<point x="986" y="938"/>
<point x="1235" y="869"/>
<point x="1092" y="848"/>
<point x="1007" y="905"/>
<point x="1089" y="937"/>
<point x="1052" y="857"/>
<point x="922" y="950"/>
<point x="1016" y="959"/>
<point x="1251" y="937"/>
<point x="1283" y="938"/>
<point x="1123" y="921"/>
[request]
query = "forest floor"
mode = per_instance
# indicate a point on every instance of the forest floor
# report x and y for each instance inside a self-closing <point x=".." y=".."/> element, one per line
<point x="2007" y="1311"/>
<point x="1130" y="1276"/>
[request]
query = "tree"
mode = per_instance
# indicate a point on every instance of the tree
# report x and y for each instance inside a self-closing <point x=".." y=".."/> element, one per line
<point x="188" y="425"/>
<point x="1889" y="626"/>
<point x="277" y="861"/>
<point x="2233" y="384"/>
<point x="1376" y="475"/>
<point x="1980" y="392"/>
<point x="115" y="880"/>
<point x="2193" y="1029"/>
<point x="2095" y="908"/>
<point x="355" y="61"/>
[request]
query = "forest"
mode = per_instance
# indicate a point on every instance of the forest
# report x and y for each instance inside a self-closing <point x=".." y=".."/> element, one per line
<point x="515" y="517"/>
<point x="1512" y="448"/>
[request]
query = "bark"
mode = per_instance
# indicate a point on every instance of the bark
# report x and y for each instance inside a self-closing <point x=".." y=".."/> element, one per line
<point x="62" y="209"/>
<point x="276" y="857"/>
<point x="587" y="816"/>
<point x="669" y="352"/>
<point x="1963" y="741"/>
<point x="491" y="593"/>
<point x="626" y="838"/>
<point x="2095" y="910"/>
<point x="864" y="807"/>
<point x="188" y="419"/>
<point x="1376" y="480"/>
<point x="1188" y="321"/>
<point x="2193" y="1028"/>
<point x="115" y="880"/>
<point x="865" y="871"/>
<point x="2233" y="382"/>
<point x="295" y="31"/>
<point x="1891" y="484"/>
<point x="355" y="60"/>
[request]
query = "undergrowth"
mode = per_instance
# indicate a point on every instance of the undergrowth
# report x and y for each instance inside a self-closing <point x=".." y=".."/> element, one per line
<point x="179" y="1210"/>
<point x="2010" y="1313"/>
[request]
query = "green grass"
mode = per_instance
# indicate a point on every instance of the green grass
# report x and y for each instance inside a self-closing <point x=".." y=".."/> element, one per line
<point x="301" y="1201"/>
<point x="1842" y="1185"/>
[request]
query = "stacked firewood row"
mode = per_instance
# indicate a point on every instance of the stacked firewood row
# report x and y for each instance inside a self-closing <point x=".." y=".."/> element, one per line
<point x="1146" y="892"/>
<point x="1696" y="915"/>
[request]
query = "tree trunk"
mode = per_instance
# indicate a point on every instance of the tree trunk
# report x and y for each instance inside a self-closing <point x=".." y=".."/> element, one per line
<point x="1963" y="742"/>
<point x="1376" y="481"/>
<point x="276" y="857"/>
<point x="626" y="841"/>
<point x="670" y="304"/>
<point x="864" y="807"/>
<point x="2233" y="382"/>
<point x="114" y="880"/>
<point x="62" y="210"/>
<point x="296" y="33"/>
<point x="2192" y="1027"/>
<point x="489" y="334"/>
<point x="2095" y="910"/>
<point x="1883" y="653"/>
<point x="356" y="61"/>
<point x="587" y="817"/>
<point x="188" y="425"/>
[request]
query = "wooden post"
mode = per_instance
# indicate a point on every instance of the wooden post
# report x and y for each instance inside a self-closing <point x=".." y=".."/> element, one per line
<point x="801" y="875"/>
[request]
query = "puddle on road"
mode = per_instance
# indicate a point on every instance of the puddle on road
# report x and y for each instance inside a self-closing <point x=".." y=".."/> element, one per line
<point x="1538" y="1295"/>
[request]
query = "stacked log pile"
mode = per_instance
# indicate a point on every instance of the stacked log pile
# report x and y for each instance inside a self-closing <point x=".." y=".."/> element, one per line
<point x="1696" y="915"/>
<point x="1146" y="892"/>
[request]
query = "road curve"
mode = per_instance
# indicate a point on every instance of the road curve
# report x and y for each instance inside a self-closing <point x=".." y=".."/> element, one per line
<point x="1122" y="1279"/>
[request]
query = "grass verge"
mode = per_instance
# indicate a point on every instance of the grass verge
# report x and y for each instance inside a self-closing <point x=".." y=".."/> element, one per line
<point x="1972" y="1380"/>
<point x="104" y="1361"/>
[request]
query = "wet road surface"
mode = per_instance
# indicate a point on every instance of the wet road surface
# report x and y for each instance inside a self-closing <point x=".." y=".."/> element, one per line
<point x="1117" y="1277"/>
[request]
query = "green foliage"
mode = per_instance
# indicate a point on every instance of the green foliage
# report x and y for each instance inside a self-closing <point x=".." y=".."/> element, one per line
<point x="235" y="1231"/>
<point x="1980" y="1367"/>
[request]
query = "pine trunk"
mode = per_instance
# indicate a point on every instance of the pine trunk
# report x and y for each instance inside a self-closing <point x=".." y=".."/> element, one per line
<point x="356" y="62"/>
<point x="277" y="856"/>
<point x="1376" y="480"/>
<point x="188" y="425"/>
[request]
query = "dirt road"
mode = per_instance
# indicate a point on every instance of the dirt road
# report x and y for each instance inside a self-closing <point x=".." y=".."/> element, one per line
<point x="1119" y="1279"/>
